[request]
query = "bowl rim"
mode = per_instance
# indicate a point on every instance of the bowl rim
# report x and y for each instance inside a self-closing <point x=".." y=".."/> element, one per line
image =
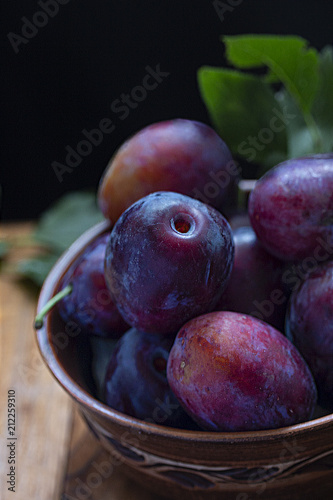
<point x="84" y="398"/>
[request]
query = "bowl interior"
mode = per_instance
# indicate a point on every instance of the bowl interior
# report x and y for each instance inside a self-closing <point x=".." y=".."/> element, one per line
<point x="68" y="353"/>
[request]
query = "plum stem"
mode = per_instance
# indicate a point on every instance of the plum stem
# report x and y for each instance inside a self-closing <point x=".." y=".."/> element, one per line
<point x="245" y="186"/>
<point x="39" y="319"/>
<point x="314" y="132"/>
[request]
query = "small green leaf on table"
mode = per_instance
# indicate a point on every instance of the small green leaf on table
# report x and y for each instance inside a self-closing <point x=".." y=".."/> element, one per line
<point x="67" y="219"/>
<point x="57" y="229"/>
<point x="4" y="248"/>
<point x="37" y="269"/>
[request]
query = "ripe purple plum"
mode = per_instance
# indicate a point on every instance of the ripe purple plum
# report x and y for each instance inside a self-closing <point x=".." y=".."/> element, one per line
<point x="179" y="155"/>
<point x="256" y="284"/>
<point x="309" y="326"/>
<point x="136" y="383"/>
<point x="233" y="372"/>
<point x="291" y="207"/>
<point x="90" y="305"/>
<point x="168" y="260"/>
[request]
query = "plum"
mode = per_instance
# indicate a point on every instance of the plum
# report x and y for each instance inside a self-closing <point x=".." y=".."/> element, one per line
<point x="135" y="380"/>
<point x="233" y="372"/>
<point x="256" y="285"/>
<point x="178" y="155"/>
<point x="90" y="304"/>
<point x="168" y="259"/>
<point x="309" y="325"/>
<point x="291" y="207"/>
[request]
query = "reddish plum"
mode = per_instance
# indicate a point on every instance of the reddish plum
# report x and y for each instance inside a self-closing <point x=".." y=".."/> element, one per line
<point x="291" y="207"/>
<point x="256" y="284"/>
<point x="135" y="381"/>
<point x="309" y="326"/>
<point x="233" y="372"/>
<point x="90" y="304"/>
<point x="168" y="260"/>
<point x="178" y="155"/>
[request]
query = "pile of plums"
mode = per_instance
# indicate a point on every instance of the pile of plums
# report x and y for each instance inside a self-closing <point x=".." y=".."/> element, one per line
<point x="213" y="327"/>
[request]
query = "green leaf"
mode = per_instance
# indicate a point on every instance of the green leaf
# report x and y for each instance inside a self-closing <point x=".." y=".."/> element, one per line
<point x="323" y="103"/>
<point x="244" y="109"/>
<point x="4" y="249"/>
<point x="288" y="59"/>
<point x="57" y="229"/>
<point x="300" y="141"/>
<point x="36" y="269"/>
<point x="67" y="219"/>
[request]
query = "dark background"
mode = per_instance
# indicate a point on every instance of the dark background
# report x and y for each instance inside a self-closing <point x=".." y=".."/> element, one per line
<point x="66" y="77"/>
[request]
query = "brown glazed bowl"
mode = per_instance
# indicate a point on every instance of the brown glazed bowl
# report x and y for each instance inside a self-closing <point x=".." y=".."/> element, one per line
<point x="292" y="463"/>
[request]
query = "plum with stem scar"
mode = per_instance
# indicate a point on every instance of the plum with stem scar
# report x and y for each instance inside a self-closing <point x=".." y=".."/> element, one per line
<point x="168" y="259"/>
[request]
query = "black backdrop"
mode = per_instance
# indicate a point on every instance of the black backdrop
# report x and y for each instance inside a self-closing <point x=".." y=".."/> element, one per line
<point x="63" y="77"/>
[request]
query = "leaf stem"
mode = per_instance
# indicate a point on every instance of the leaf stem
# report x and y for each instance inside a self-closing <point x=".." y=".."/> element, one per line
<point x="39" y="319"/>
<point x="314" y="131"/>
<point x="302" y="105"/>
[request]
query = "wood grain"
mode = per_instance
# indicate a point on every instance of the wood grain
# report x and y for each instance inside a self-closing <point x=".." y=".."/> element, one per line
<point x="56" y="455"/>
<point x="43" y="410"/>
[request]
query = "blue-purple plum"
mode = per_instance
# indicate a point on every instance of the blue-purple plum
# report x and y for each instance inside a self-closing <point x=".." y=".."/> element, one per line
<point x="90" y="305"/>
<point x="309" y="325"/>
<point x="168" y="260"/>
<point x="291" y="207"/>
<point x="179" y="155"/>
<point x="233" y="372"/>
<point x="256" y="284"/>
<point x="136" y="383"/>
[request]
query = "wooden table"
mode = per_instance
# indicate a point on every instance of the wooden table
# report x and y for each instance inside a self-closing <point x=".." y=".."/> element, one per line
<point x="56" y="457"/>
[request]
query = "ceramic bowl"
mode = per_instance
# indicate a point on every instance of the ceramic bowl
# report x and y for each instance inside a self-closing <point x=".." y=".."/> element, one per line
<point x="292" y="463"/>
